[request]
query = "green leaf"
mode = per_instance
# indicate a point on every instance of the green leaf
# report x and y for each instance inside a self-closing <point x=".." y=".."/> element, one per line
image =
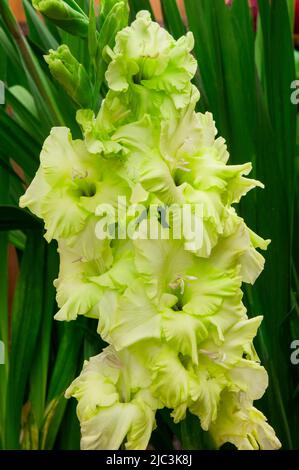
<point x="40" y="86"/>
<point x="9" y="48"/>
<point x="38" y="33"/>
<point x="6" y="166"/>
<point x="26" y="318"/>
<point x="275" y="166"/>
<point x="65" y="369"/>
<point x="17" y="239"/>
<point x="277" y="35"/>
<point x="172" y="18"/>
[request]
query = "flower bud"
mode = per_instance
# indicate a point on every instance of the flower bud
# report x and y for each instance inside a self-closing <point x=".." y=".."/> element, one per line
<point x="63" y="15"/>
<point x="107" y="5"/>
<point x="117" y="18"/>
<point x="66" y="69"/>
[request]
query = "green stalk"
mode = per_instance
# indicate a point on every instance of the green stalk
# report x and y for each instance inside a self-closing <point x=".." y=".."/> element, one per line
<point x="30" y="60"/>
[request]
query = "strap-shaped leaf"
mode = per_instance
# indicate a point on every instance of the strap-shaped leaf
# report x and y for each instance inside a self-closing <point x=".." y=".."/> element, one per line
<point x="14" y="218"/>
<point x="26" y="318"/>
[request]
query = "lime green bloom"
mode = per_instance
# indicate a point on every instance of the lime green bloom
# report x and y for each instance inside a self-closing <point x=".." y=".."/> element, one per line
<point x="146" y="55"/>
<point x="168" y="303"/>
<point x="69" y="185"/>
<point x="76" y="293"/>
<point x="71" y="19"/>
<point x="63" y="178"/>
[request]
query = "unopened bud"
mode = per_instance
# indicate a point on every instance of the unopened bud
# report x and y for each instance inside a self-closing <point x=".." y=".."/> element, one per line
<point x="66" y="69"/>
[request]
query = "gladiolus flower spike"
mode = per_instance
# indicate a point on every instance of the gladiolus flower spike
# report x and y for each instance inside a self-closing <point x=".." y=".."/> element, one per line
<point x="170" y="309"/>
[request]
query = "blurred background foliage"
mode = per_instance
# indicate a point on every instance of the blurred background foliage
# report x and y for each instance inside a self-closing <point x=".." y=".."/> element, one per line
<point x="246" y="68"/>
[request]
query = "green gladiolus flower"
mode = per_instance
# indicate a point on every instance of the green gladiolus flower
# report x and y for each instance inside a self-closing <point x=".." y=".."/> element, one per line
<point x="114" y="402"/>
<point x="169" y="306"/>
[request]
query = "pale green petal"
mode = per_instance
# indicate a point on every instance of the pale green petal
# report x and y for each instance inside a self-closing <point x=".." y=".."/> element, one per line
<point x="97" y="131"/>
<point x="110" y="428"/>
<point x="155" y="177"/>
<point x="207" y="171"/>
<point x="136" y="318"/>
<point x="137" y="136"/>
<point x="62" y="215"/>
<point x="144" y="163"/>
<point x="143" y="38"/>
<point x="172" y="393"/>
<point x="141" y="430"/>
<point x="231" y="311"/>
<point x="173" y="72"/>
<point x="246" y="428"/>
<point x="76" y="295"/>
<point x="208" y="207"/>
<point x="206" y="397"/>
<point x="249" y="377"/>
<point x="208" y="288"/>
<point x="161" y="271"/>
<point x="181" y="132"/>
<point x="239" y="187"/>
<point x="58" y="157"/>
<point x="183" y="333"/>
<point x="236" y="248"/>
<point x="35" y="193"/>
<point x="119" y="74"/>
<point x="252" y="264"/>
<point x="107" y="191"/>
<point x="93" y="389"/>
<point x="114" y="112"/>
<point x="106" y="310"/>
<point x="236" y="339"/>
<point x="114" y="404"/>
<point x="257" y="241"/>
<point x="88" y="246"/>
<point x="121" y="275"/>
